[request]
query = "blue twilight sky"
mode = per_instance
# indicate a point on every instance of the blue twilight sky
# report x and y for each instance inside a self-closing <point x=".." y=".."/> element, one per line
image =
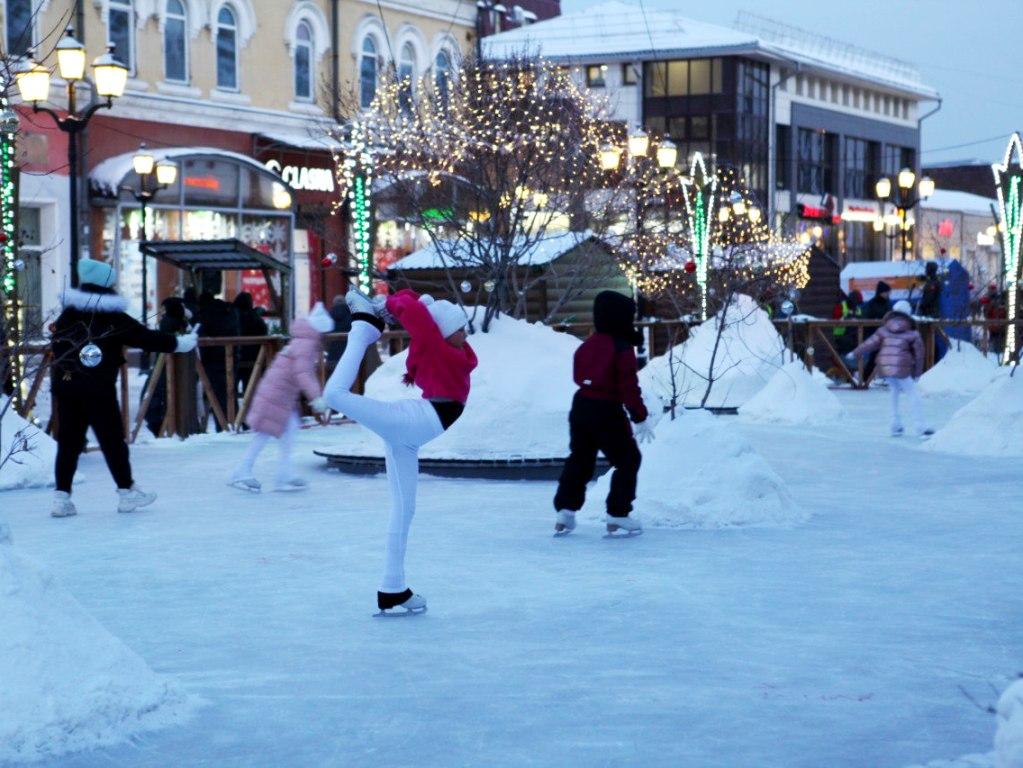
<point x="969" y="50"/>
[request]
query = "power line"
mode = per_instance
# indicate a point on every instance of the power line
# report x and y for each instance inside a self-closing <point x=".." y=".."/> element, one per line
<point x="1000" y="136"/>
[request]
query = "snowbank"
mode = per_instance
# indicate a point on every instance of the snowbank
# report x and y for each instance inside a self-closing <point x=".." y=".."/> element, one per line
<point x="518" y="407"/>
<point x="964" y="370"/>
<point x="749" y="354"/>
<point x="32" y="465"/>
<point x="989" y="425"/>
<point x="1009" y="736"/>
<point x="700" y="472"/>
<point x="68" y="684"/>
<point x="794" y="395"/>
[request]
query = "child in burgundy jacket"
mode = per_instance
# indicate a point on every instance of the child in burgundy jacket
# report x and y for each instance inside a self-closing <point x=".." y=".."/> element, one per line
<point x="439" y="363"/>
<point x="605" y="370"/>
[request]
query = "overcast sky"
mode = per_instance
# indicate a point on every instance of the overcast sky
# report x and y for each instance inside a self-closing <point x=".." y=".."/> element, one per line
<point x="969" y="50"/>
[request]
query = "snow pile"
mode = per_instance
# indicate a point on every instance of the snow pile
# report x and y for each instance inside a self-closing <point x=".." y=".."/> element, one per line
<point x="26" y="453"/>
<point x="68" y="684"/>
<point x="964" y="370"/>
<point x="700" y="472"/>
<point x="989" y="425"/>
<point x="1009" y="736"/>
<point x="518" y="406"/>
<point x="748" y="355"/>
<point x="794" y="395"/>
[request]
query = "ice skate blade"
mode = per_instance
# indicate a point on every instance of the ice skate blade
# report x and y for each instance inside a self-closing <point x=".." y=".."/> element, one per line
<point x="243" y="487"/>
<point x="561" y="531"/>
<point x="291" y="489"/>
<point x="617" y="532"/>
<point x="394" y="613"/>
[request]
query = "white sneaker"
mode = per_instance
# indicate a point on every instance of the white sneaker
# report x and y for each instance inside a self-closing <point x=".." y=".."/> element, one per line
<point x="564" y="523"/>
<point x="62" y="505"/>
<point x="291" y="484"/>
<point x="629" y="525"/>
<point x="133" y="498"/>
<point x="412" y="605"/>
<point x="249" y="483"/>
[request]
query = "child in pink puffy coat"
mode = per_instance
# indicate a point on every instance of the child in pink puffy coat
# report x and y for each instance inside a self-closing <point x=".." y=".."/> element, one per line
<point x="274" y="411"/>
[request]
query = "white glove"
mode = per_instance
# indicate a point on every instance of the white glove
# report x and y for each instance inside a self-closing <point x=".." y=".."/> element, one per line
<point x="318" y="405"/>
<point x="188" y="341"/>
<point x="654" y="408"/>
<point x="644" y="431"/>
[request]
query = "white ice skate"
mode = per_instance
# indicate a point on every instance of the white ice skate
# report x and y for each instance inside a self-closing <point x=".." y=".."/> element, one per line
<point x="897" y="431"/>
<point x="564" y="524"/>
<point x="62" y="505"/>
<point x="250" y="484"/>
<point x="290" y="484"/>
<point x="622" y="527"/>
<point x="411" y="605"/>
<point x="133" y="498"/>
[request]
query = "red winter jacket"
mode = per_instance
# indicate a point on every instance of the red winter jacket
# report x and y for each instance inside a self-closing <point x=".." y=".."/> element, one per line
<point x="438" y="368"/>
<point x="606" y="369"/>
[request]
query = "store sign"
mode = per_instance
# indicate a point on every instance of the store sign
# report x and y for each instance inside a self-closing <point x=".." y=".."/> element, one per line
<point x="859" y="213"/>
<point x="302" y="177"/>
<point x="817" y="213"/>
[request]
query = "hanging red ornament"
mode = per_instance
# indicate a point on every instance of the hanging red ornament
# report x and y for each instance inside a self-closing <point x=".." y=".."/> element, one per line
<point x="985" y="299"/>
<point x="3" y="237"/>
<point x="690" y="266"/>
<point x="326" y="262"/>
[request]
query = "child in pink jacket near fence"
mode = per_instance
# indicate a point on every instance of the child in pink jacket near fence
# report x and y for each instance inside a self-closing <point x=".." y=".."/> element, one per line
<point x="439" y="362"/>
<point x="274" y="411"/>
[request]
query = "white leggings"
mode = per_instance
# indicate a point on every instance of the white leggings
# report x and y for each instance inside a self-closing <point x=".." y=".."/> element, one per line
<point x="908" y="388"/>
<point x="259" y="440"/>
<point x="404" y="426"/>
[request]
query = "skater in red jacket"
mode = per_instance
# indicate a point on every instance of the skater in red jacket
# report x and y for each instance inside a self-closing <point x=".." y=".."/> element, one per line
<point x="606" y="372"/>
<point x="439" y="363"/>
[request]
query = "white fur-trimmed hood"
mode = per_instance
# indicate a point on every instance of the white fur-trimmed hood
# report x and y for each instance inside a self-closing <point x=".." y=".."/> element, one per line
<point x="93" y="302"/>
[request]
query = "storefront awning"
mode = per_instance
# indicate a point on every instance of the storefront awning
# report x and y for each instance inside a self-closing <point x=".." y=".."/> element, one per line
<point x="192" y="255"/>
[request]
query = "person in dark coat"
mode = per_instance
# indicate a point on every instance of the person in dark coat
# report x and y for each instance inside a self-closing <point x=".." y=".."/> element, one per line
<point x="930" y="296"/>
<point x="250" y="323"/>
<point x="877" y="308"/>
<point x="342" y="317"/>
<point x="217" y="319"/>
<point x="87" y="343"/>
<point x="605" y="370"/>
<point x="175" y="320"/>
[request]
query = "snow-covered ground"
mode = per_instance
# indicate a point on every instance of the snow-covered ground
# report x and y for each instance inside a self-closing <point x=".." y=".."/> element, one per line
<point x="840" y="641"/>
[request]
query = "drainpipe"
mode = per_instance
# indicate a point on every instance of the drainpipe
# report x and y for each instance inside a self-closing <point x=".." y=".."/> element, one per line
<point x="335" y="60"/>
<point x="918" y="213"/>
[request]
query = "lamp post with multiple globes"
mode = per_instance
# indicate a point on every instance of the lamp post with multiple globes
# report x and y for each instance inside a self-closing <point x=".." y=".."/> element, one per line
<point x="904" y="198"/>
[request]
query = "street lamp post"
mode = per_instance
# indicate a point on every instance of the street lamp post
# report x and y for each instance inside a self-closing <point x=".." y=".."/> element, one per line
<point x="165" y="173"/>
<point x="110" y="77"/>
<point x="904" y="200"/>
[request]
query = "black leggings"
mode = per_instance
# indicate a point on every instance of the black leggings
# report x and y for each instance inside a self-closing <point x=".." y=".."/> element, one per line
<point x="76" y="412"/>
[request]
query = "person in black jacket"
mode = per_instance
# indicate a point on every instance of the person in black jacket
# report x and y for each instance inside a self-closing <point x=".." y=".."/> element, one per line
<point x="87" y="343"/>
<point x="249" y="324"/>
<point x="877" y="308"/>
<point x="217" y="318"/>
<point x="930" y="296"/>
<point x="175" y="320"/>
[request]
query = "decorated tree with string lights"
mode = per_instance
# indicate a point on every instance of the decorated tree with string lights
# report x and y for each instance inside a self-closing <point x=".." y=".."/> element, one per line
<point x="491" y="162"/>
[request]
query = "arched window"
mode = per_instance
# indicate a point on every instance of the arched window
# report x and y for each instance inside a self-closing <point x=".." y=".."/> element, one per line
<point x="305" y="77"/>
<point x="120" y="28"/>
<point x="368" y="65"/>
<point x="175" y="42"/>
<point x="442" y="75"/>
<point x="227" y="49"/>
<point x="20" y="23"/>
<point x="407" y="76"/>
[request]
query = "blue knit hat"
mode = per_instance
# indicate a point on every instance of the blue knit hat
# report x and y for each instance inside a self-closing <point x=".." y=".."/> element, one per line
<point x="94" y="272"/>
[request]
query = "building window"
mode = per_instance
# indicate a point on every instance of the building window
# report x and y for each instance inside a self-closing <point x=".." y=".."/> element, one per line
<point x="858" y="167"/>
<point x="595" y="75"/>
<point x="30" y="281"/>
<point x="407" y="78"/>
<point x="368" y="64"/>
<point x="687" y="77"/>
<point x="119" y="24"/>
<point x="20" y="27"/>
<point x="304" y="58"/>
<point x="845" y="95"/>
<point x="175" y="37"/>
<point x="799" y="85"/>
<point x="629" y="75"/>
<point x="814" y="173"/>
<point x="227" y="50"/>
<point x="442" y="76"/>
<point x="783" y="153"/>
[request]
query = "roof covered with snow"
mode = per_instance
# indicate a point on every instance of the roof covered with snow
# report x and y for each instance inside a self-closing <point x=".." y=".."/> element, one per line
<point x="960" y="202"/>
<point x="107" y="177"/>
<point x="537" y="253"/>
<point x="619" y="31"/>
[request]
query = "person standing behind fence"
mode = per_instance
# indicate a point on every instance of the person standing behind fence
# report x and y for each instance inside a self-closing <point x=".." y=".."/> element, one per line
<point x="876" y="309"/>
<point x="274" y="411"/>
<point x="249" y="324"/>
<point x="175" y="320"/>
<point x="217" y="319"/>
<point x="87" y="343"/>
<point x="930" y="293"/>
<point x="900" y="359"/>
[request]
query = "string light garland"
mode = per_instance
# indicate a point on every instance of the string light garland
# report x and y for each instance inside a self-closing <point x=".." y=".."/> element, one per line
<point x="1008" y="178"/>
<point x="10" y="265"/>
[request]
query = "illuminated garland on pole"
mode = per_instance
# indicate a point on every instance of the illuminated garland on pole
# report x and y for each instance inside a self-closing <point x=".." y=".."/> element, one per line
<point x="355" y="175"/>
<point x="9" y="262"/>
<point x="699" y="213"/>
<point x="1008" y="178"/>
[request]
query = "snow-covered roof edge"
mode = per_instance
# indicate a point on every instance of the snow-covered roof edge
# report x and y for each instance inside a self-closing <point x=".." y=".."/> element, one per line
<point x="544" y="251"/>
